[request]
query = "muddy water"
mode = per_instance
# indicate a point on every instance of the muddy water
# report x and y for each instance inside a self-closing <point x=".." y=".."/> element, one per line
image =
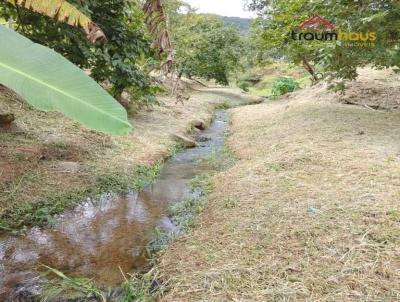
<point x="100" y="236"/>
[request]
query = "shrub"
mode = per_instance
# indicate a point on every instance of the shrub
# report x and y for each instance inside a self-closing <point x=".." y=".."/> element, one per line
<point x="244" y="85"/>
<point x="284" y="85"/>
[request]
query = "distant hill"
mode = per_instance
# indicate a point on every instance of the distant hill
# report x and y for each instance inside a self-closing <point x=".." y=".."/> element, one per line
<point x="243" y="24"/>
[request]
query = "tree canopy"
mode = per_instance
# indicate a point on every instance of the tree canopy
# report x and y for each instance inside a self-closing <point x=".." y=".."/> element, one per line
<point x="205" y="47"/>
<point x="339" y="58"/>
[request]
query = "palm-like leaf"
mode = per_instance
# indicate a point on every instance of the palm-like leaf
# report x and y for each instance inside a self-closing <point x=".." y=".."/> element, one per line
<point x="63" y="11"/>
<point x="50" y="82"/>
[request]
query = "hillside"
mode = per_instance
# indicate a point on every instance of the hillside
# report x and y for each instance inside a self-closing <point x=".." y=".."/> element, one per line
<point x="242" y="24"/>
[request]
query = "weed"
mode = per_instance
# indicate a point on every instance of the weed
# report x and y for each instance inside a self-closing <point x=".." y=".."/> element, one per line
<point x="284" y="85"/>
<point x="184" y="212"/>
<point x="221" y="160"/>
<point x="160" y="240"/>
<point x="174" y="149"/>
<point x="244" y="85"/>
<point x="20" y="156"/>
<point x="202" y="183"/>
<point x="140" y="288"/>
<point x="223" y="106"/>
<point x="69" y="288"/>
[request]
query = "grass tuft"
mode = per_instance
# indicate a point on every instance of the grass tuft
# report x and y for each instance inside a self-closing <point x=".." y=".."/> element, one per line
<point x="64" y="287"/>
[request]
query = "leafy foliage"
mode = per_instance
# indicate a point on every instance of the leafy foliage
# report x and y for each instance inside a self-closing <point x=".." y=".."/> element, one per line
<point x="49" y="82"/>
<point x="205" y="47"/>
<point x="284" y="85"/>
<point x="244" y="85"/>
<point x="119" y="64"/>
<point x="242" y="24"/>
<point x="333" y="60"/>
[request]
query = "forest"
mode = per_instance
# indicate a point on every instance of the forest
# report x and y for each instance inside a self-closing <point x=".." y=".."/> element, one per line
<point x="150" y="151"/>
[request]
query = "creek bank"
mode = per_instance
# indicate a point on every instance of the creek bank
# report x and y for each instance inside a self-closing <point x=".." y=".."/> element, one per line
<point x="47" y="157"/>
<point x="151" y="196"/>
<point x="310" y="209"/>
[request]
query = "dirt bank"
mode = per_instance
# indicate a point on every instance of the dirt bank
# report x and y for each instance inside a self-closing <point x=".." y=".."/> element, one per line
<point x="49" y="163"/>
<point x="309" y="212"/>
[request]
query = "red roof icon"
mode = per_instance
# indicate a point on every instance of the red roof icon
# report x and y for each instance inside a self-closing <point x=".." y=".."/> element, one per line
<point x="316" y="23"/>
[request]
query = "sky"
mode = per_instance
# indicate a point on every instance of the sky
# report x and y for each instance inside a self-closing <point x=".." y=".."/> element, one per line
<point x="230" y="8"/>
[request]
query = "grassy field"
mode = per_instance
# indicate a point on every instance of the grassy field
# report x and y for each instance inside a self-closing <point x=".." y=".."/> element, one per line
<point x="309" y="212"/>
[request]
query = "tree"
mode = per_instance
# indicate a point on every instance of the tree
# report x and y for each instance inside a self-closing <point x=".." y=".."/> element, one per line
<point x="205" y="47"/>
<point x="157" y="24"/>
<point x="333" y="59"/>
<point x="117" y="64"/>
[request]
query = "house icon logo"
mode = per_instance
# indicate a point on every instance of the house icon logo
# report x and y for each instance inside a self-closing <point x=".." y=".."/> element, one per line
<point x="318" y="28"/>
<point x="317" y="23"/>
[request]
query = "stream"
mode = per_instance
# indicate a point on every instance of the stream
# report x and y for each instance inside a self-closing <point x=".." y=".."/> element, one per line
<point x="100" y="236"/>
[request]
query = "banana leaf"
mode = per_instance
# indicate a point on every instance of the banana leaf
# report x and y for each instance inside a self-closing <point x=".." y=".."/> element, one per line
<point x="49" y="82"/>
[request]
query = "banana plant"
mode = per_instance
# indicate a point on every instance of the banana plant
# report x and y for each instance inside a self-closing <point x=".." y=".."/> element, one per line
<point x="46" y="79"/>
<point x="49" y="82"/>
<point x="62" y="11"/>
<point x="157" y="24"/>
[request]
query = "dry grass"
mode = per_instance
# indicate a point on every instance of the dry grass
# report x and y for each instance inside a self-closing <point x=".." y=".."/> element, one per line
<point x="45" y="152"/>
<point x="310" y="211"/>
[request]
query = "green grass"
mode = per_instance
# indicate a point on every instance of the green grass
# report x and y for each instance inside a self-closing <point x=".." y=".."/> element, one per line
<point x="143" y="288"/>
<point x="223" y="106"/>
<point x="220" y="160"/>
<point x="65" y="287"/>
<point x="44" y="211"/>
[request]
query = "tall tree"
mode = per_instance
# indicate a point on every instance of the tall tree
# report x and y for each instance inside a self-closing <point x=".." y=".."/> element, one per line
<point x="205" y="47"/>
<point x="334" y="59"/>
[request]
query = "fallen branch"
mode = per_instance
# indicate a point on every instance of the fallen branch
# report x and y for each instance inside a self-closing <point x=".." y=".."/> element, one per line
<point x="370" y="107"/>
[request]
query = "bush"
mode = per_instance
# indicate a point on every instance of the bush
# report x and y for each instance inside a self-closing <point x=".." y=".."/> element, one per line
<point x="244" y="85"/>
<point x="284" y="85"/>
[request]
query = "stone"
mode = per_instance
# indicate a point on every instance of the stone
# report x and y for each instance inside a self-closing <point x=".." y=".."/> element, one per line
<point x="184" y="140"/>
<point x="199" y="124"/>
